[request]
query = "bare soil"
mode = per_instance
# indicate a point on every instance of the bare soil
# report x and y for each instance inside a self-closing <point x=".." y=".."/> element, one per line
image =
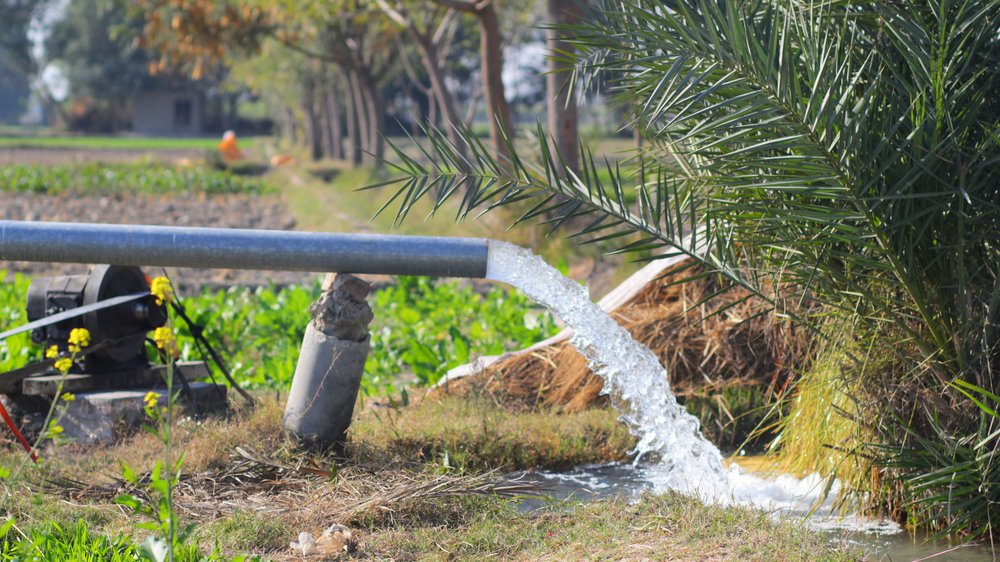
<point x="53" y="156"/>
<point x="224" y="211"/>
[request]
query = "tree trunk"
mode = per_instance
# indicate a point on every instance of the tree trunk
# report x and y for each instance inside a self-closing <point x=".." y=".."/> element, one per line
<point x="561" y="98"/>
<point x="293" y="133"/>
<point x="432" y="115"/>
<point x="326" y="119"/>
<point x="314" y="132"/>
<point x="429" y="56"/>
<point x="232" y="111"/>
<point x="359" y="118"/>
<point x="491" y="53"/>
<point x="335" y="126"/>
<point x="376" y="118"/>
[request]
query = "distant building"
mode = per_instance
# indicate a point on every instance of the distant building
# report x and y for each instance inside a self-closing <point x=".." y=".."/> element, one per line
<point x="14" y="95"/>
<point x="162" y="112"/>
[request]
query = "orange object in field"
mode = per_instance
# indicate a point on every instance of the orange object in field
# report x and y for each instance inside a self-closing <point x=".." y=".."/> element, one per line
<point x="228" y="147"/>
<point x="282" y="160"/>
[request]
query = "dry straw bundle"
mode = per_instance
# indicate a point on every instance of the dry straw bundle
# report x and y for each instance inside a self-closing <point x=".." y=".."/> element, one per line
<point x="706" y="347"/>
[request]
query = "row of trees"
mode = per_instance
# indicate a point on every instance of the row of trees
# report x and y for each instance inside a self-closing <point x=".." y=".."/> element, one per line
<point x="350" y="57"/>
<point x="340" y="75"/>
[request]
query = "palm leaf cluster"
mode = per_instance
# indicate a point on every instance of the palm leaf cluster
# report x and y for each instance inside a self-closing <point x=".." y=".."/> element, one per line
<point x="841" y="152"/>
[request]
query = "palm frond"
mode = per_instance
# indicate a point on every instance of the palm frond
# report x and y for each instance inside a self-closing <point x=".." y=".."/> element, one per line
<point x="844" y="152"/>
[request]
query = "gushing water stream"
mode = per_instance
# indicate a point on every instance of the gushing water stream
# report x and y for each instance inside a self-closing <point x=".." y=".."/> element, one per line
<point x="637" y="385"/>
<point x="633" y="377"/>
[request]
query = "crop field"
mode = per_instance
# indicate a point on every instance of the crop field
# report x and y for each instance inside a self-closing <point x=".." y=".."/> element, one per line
<point x="137" y="177"/>
<point x="91" y="142"/>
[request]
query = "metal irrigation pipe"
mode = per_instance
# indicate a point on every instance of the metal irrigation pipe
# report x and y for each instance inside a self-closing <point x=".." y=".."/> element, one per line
<point x="226" y="248"/>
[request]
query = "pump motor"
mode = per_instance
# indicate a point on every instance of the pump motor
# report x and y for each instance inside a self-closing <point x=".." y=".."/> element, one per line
<point x="111" y="301"/>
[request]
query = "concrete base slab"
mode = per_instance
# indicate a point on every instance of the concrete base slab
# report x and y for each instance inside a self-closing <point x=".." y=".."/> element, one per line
<point x="107" y="415"/>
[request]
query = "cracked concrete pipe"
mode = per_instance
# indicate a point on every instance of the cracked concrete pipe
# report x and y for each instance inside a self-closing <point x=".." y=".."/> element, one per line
<point x="331" y="364"/>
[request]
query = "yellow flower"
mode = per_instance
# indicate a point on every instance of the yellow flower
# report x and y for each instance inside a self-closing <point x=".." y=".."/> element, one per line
<point x="78" y="338"/>
<point x="151" y="399"/>
<point x="68" y="397"/>
<point x="52" y="352"/>
<point x="162" y="290"/>
<point x="165" y="339"/>
<point x="63" y="365"/>
<point x="55" y="429"/>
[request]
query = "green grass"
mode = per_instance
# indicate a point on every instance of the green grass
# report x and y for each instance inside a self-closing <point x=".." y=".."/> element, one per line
<point x="667" y="527"/>
<point x="476" y="434"/>
<point x="136" y="177"/>
<point x="112" y="143"/>
<point x="55" y="543"/>
<point x="423" y="439"/>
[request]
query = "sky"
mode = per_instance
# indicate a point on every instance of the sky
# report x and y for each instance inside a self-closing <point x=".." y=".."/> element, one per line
<point x="51" y="76"/>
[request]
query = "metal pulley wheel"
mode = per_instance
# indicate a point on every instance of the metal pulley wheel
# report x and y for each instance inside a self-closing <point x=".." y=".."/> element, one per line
<point x="127" y="322"/>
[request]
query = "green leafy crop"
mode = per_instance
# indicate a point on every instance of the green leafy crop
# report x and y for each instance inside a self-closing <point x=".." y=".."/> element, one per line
<point x="421" y="327"/>
<point x="138" y="177"/>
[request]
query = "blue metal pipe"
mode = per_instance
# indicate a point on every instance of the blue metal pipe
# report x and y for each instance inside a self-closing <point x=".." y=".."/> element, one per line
<point x="273" y="250"/>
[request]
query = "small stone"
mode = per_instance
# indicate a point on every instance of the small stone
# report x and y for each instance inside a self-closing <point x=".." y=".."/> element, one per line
<point x="336" y="539"/>
<point x="305" y="545"/>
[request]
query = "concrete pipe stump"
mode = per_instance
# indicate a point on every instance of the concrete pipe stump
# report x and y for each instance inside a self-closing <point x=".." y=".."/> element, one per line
<point x="331" y="363"/>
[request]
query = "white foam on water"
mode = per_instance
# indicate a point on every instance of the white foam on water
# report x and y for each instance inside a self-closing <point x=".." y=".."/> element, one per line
<point x="637" y="385"/>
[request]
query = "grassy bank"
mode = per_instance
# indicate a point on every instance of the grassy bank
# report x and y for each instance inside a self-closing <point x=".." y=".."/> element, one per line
<point x="667" y="527"/>
<point x="380" y="491"/>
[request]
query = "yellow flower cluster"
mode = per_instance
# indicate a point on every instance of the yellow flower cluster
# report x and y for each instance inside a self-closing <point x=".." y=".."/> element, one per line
<point x="161" y="288"/>
<point x="78" y="339"/>
<point x="151" y="400"/>
<point x="52" y="352"/>
<point x="165" y="339"/>
<point x="63" y="364"/>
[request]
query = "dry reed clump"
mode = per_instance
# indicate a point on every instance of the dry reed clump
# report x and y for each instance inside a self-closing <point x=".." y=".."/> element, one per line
<point x="730" y="340"/>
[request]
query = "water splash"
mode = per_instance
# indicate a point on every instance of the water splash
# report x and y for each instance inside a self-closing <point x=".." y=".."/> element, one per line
<point x="638" y="386"/>
<point x="633" y="377"/>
